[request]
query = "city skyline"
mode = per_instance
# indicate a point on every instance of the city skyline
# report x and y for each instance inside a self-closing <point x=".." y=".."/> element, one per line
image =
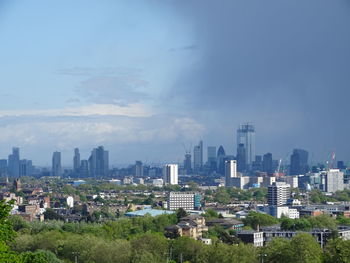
<point x="143" y="78"/>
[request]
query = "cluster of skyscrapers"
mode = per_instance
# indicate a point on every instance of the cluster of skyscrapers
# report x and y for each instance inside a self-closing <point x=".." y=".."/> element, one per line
<point x="14" y="166"/>
<point x="247" y="160"/>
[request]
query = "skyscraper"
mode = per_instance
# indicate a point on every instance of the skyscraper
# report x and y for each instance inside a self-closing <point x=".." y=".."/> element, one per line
<point x="99" y="162"/>
<point x="25" y="167"/>
<point x="220" y="160"/>
<point x="3" y="167"/>
<point x="278" y="194"/>
<point x="212" y="163"/>
<point x="76" y="161"/>
<point x="267" y="163"/>
<point x="170" y="173"/>
<point x="246" y="136"/>
<point x="299" y="162"/>
<point x="230" y="171"/>
<point x="138" y="169"/>
<point x="56" y="164"/>
<point x="241" y="158"/>
<point x="198" y="157"/>
<point x="84" y="168"/>
<point x="13" y="162"/>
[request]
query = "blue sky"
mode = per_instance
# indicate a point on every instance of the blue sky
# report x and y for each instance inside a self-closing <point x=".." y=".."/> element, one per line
<point x="144" y="77"/>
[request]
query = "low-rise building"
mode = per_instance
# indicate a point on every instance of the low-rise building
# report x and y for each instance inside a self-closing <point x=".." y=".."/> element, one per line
<point x="185" y="200"/>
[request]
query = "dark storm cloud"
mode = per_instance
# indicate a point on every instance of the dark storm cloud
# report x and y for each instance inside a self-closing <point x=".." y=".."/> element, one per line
<point x="283" y="65"/>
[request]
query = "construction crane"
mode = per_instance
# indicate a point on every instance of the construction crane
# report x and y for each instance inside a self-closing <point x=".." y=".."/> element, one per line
<point x="277" y="172"/>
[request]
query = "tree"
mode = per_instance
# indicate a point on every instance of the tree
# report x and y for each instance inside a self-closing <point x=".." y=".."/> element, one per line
<point x="255" y="219"/>
<point x="277" y="251"/>
<point x="155" y="244"/>
<point x="180" y="213"/>
<point x="186" y="248"/>
<point x="210" y="213"/>
<point x="323" y="221"/>
<point x="305" y="249"/>
<point x="7" y="234"/>
<point x="337" y="251"/>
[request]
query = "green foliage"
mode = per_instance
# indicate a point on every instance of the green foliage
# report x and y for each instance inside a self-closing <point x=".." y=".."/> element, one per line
<point x="255" y="219"/>
<point x="305" y="224"/>
<point x="222" y="196"/>
<point x="188" y="249"/>
<point x="210" y="214"/>
<point x="34" y="257"/>
<point x="149" y="246"/>
<point x="180" y="213"/>
<point x="8" y="256"/>
<point x="301" y="224"/>
<point x="342" y="220"/>
<point x="302" y="248"/>
<point x="323" y="221"/>
<point x="18" y="222"/>
<point x="6" y="231"/>
<point x="337" y="251"/>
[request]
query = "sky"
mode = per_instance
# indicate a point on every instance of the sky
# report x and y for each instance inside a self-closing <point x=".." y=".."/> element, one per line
<point x="148" y="79"/>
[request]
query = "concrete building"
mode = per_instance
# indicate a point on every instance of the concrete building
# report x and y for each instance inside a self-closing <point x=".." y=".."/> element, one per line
<point x="158" y="182"/>
<point x="170" y="173"/>
<point x="230" y="171"/>
<point x="292" y="181"/>
<point x="278" y="194"/>
<point x="187" y="201"/>
<point x="332" y="180"/>
<point x="70" y="201"/>
<point x="279" y="211"/>
<point x="252" y="237"/>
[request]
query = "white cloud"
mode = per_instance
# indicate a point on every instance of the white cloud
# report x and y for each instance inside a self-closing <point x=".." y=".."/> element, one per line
<point x="132" y="110"/>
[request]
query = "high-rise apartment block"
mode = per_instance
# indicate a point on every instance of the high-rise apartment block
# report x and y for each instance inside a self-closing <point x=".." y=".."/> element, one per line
<point x="278" y="194"/>
<point x="170" y="173"/>
<point x="332" y="180"/>
<point x="230" y="171"/>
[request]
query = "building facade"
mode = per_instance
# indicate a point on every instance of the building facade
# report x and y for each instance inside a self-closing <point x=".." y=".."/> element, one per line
<point x="170" y="173"/>
<point x="187" y="201"/>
